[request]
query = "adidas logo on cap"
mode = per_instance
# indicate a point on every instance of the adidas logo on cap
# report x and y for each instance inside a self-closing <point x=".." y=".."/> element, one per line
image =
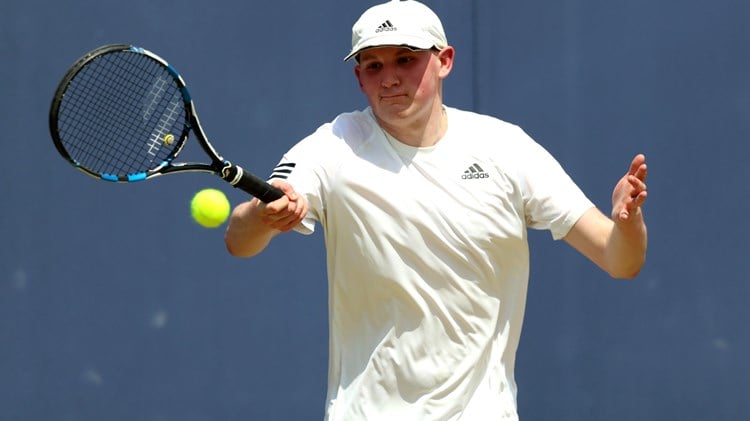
<point x="386" y="26"/>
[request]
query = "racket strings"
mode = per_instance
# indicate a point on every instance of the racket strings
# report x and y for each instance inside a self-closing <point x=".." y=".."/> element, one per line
<point x="122" y="114"/>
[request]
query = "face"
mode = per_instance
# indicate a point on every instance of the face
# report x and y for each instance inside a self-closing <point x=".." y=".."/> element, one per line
<point x="403" y="86"/>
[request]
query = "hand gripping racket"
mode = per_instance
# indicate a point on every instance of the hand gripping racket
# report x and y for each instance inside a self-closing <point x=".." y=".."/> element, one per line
<point x="123" y="114"/>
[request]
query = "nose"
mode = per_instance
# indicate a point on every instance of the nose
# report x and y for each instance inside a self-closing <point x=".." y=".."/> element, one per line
<point x="389" y="77"/>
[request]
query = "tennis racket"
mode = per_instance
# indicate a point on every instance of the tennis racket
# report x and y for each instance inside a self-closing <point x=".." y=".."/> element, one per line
<point x="123" y="114"/>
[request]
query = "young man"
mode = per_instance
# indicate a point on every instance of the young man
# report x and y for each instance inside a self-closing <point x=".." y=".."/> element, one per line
<point x="425" y="210"/>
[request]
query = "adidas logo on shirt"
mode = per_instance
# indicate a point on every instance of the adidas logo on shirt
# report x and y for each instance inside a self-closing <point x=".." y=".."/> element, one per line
<point x="474" y="172"/>
<point x="386" y="26"/>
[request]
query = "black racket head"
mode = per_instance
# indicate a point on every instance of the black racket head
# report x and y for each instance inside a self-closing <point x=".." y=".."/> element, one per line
<point x="121" y="113"/>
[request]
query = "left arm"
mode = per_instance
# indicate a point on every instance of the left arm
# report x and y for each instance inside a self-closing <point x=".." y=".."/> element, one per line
<point x="617" y="244"/>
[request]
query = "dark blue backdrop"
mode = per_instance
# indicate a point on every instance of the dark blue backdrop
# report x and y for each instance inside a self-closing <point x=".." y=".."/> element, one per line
<point x="114" y="305"/>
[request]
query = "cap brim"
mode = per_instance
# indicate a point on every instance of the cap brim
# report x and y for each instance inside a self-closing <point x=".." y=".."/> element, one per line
<point x="411" y="43"/>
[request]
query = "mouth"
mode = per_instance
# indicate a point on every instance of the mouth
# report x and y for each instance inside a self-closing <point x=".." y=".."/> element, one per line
<point x="393" y="97"/>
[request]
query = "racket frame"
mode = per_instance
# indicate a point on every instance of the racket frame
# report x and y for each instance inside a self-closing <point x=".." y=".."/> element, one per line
<point x="229" y="172"/>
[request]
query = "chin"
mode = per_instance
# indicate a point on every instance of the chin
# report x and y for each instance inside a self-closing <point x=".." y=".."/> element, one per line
<point x="389" y="111"/>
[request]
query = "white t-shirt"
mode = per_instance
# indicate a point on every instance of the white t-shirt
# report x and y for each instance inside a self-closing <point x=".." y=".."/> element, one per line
<point x="428" y="261"/>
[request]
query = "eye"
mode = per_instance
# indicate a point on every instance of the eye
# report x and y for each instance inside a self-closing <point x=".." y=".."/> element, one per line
<point x="372" y="65"/>
<point x="405" y="59"/>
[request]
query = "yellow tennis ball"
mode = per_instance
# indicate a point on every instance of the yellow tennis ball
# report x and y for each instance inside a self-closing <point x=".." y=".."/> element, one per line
<point x="210" y="208"/>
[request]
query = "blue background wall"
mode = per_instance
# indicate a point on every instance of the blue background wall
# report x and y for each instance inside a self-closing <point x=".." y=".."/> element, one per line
<point x="114" y="305"/>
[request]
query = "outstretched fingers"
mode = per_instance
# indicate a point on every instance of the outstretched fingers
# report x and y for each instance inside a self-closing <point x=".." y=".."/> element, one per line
<point x="631" y="193"/>
<point x="638" y="167"/>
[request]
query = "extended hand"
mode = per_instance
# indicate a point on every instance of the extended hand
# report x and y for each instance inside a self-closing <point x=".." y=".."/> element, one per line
<point x="630" y="192"/>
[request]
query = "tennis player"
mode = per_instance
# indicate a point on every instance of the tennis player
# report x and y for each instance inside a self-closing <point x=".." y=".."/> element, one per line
<point x="425" y="210"/>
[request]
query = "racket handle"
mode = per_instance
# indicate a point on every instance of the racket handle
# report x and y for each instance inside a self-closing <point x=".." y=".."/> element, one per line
<point x="250" y="183"/>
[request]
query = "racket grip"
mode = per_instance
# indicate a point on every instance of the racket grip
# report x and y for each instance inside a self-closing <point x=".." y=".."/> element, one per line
<point x="250" y="183"/>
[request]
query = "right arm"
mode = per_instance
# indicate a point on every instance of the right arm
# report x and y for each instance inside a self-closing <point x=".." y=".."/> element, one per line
<point x="253" y="224"/>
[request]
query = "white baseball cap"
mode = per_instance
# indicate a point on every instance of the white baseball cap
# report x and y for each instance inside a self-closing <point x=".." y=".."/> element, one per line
<point x="406" y="23"/>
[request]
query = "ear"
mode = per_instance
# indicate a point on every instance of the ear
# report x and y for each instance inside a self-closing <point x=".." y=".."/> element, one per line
<point x="357" y="71"/>
<point x="446" y="56"/>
